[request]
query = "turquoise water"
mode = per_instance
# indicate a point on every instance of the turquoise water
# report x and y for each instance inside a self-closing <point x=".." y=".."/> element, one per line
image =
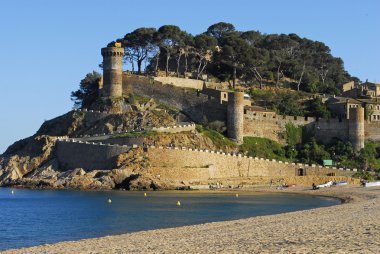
<point x="34" y="217"/>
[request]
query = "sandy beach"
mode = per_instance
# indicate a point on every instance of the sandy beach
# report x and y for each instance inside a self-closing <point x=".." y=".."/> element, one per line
<point x="352" y="227"/>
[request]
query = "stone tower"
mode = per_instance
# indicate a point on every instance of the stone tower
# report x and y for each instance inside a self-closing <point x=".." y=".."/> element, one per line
<point x="356" y="128"/>
<point x="112" y="71"/>
<point x="235" y="116"/>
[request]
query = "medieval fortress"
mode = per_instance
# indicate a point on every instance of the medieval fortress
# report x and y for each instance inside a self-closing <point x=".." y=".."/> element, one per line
<point x="202" y="101"/>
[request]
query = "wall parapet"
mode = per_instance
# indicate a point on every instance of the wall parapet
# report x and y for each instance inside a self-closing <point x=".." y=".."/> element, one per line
<point x="233" y="156"/>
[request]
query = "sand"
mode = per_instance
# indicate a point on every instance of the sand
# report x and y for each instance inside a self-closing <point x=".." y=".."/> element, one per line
<point x="352" y="227"/>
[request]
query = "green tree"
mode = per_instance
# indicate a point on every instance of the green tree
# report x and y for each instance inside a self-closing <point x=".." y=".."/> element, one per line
<point x="169" y="38"/>
<point x="234" y="53"/>
<point x="88" y="91"/>
<point x="312" y="152"/>
<point x="205" y="46"/>
<point x="138" y="45"/>
<point x="319" y="109"/>
<point x="219" y="30"/>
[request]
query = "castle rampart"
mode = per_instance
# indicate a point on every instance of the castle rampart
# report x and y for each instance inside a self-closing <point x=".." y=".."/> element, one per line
<point x="79" y="154"/>
<point x="181" y="82"/>
<point x="203" y="165"/>
<point x="184" y="164"/>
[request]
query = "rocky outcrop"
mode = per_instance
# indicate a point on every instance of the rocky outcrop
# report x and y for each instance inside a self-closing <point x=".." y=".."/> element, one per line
<point x="25" y="156"/>
<point x="31" y="162"/>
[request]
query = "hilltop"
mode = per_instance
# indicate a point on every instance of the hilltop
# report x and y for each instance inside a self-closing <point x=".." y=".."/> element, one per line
<point x="225" y="54"/>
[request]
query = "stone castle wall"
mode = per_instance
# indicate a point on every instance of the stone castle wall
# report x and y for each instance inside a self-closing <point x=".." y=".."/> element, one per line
<point x="181" y="82"/>
<point x="328" y="129"/>
<point x="200" y="107"/>
<point x="197" y="165"/>
<point x="182" y="164"/>
<point x="86" y="155"/>
<point x="372" y="130"/>
<point x="261" y="124"/>
<point x="197" y="106"/>
<point x="175" y="129"/>
<point x="272" y="126"/>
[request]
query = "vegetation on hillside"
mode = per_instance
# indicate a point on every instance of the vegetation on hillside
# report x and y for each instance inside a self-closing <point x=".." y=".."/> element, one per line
<point x="88" y="91"/>
<point x="311" y="152"/>
<point x="230" y="55"/>
<point x="217" y="138"/>
<point x="291" y="103"/>
<point x="263" y="148"/>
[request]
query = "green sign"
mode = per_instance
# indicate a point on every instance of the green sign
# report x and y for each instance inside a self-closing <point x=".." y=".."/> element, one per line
<point x="327" y="162"/>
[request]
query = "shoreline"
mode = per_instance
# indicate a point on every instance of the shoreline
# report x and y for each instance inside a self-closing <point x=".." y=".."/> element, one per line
<point x="300" y="231"/>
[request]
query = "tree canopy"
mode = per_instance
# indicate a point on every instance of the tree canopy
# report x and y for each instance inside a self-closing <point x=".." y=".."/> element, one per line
<point x="227" y="54"/>
<point x="88" y="91"/>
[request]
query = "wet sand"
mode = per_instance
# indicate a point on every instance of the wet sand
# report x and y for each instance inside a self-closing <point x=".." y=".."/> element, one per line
<point x="352" y="227"/>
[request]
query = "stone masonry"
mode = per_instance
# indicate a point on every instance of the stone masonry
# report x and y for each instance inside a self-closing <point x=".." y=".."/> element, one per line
<point x="112" y="71"/>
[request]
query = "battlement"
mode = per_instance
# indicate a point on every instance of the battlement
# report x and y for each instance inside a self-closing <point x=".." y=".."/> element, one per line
<point x="80" y="153"/>
<point x="112" y="51"/>
<point x="175" y="128"/>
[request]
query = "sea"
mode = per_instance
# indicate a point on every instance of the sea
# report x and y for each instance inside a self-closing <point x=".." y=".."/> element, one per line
<point x="36" y="217"/>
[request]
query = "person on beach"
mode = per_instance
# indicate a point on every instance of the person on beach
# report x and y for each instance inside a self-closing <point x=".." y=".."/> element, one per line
<point x="314" y="186"/>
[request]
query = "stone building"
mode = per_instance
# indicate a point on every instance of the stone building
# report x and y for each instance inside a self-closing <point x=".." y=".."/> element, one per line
<point x="371" y="89"/>
<point x="112" y="71"/>
<point x="341" y="106"/>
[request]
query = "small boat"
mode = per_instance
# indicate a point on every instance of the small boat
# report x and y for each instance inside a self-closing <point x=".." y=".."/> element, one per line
<point x="372" y="184"/>
<point x="341" y="183"/>
<point x="328" y="184"/>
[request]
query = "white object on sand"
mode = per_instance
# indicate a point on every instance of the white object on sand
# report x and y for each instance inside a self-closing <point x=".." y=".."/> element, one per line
<point x="328" y="184"/>
<point x="372" y="184"/>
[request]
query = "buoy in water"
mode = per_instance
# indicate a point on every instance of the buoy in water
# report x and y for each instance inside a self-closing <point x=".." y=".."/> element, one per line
<point x="237" y="195"/>
<point x="13" y="192"/>
<point x="145" y="194"/>
<point x="178" y="203"/>
<point x="109" y="201"/>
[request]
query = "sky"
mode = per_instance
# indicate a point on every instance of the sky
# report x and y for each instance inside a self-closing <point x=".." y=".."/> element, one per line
<point x="47" y="47"/>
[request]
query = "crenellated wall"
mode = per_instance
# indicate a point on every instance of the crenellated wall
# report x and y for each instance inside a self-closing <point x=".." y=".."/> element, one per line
<point x="272" y="126"/>
<point x="78" y="154"/>
<point x="192" y="165"/>
<point x="183" y="164"/>
<point x="181" y="82"/>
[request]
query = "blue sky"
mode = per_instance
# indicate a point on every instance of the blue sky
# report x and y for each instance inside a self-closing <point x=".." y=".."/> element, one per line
<point x="47" y="47"/>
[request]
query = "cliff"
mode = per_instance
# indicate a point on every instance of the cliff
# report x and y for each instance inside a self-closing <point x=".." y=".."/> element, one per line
<point x="32" y="162"/>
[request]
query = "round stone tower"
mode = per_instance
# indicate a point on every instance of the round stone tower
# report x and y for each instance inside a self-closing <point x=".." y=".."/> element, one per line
<point x="235" y="116"/>
<point x="112" y="71"/>
<point x="356" y="128"/>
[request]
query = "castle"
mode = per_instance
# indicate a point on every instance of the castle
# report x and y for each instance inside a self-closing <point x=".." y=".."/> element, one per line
<point x="201" y="102"/>
<point x="233" y="108"/>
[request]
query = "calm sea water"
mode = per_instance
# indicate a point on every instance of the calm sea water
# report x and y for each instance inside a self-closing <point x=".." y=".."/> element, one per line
<point x="34" y="217"/>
